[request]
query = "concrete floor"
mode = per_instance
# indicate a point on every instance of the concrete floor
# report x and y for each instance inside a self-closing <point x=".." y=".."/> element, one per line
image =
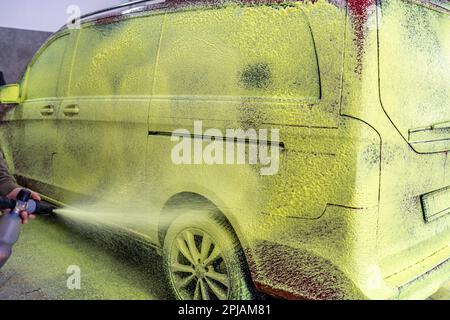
<point x="48" y="246"/>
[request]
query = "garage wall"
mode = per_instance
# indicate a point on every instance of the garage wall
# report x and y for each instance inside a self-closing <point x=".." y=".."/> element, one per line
<point x="17" y="47"/>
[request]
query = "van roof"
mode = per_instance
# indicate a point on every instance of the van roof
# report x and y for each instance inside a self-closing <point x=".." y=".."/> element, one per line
<point x="132" y="8"/>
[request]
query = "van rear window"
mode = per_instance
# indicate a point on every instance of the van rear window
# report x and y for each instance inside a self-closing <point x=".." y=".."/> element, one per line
<point x="256" y="51"/>
<point x="415" y="67"/>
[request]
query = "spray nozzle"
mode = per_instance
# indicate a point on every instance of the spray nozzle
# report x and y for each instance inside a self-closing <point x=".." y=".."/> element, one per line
<point x="22" y="199"/>
<point x="24" y="202"/>
<point x="39" y="207"/>
<point x="23" y="195"/>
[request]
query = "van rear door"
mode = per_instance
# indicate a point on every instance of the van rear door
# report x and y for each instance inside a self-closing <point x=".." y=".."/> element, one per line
<point x="414" y="62"/>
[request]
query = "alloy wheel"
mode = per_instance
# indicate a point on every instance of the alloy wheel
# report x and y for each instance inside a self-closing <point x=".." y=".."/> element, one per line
<point x="198" y="268"/>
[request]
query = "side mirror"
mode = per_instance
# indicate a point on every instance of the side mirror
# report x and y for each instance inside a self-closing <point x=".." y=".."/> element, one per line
<point x="10" y="94"/>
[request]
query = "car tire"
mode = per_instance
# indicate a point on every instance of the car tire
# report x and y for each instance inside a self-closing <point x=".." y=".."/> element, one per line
<point x="204" y="260"/>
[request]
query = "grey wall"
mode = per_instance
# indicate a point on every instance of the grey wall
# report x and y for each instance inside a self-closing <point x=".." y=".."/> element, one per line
<point x="17" y="47"/>
<point x="45" y="15"/>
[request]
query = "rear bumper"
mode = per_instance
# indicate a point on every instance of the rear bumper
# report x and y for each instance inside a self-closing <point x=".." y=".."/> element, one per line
<point x="298" y="274"/>
<point x="335" y="257"/>
<point x="424" y="278"/>
<point x="323" y="280"/>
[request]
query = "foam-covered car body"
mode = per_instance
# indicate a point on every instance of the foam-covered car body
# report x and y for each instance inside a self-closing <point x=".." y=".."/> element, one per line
<point x="358" y="89"/>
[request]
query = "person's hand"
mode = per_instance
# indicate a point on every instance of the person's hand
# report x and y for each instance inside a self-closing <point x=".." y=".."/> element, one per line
<point x="24" y="215"/>
<point x="5" y="108"/>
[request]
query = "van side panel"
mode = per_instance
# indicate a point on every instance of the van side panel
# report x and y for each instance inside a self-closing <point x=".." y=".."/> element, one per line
<point x="314" y="204"/>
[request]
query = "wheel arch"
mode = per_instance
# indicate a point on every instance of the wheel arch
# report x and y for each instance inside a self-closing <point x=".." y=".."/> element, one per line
<point x="171" y="210"/>
<point x="190" y="200"/>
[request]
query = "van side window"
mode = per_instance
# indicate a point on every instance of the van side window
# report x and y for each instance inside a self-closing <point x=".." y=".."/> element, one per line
<point x="116" y="58"/>
<point x="259" y="51"/>
<point x="44" y="73"/>
<point x="414" y="66"/>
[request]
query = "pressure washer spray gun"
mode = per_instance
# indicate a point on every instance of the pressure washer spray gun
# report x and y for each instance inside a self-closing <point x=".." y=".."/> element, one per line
<point x="10" y="221"/>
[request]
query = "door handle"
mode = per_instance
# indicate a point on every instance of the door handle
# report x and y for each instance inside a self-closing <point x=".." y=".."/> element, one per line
<point x="71" y="110"/>
<point x="47" y="110"/>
